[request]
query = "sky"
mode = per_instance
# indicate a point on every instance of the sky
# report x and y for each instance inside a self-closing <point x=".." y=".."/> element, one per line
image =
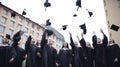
<point x="61" y="13"/>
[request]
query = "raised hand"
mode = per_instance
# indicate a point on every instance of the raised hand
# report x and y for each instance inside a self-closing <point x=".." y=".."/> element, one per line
<point x="78" y="37"/>
<point x="11" y="60"/>
<point x="70" y="34"/>
<point x="82" y="35"/>
<point x="101" y="30"/>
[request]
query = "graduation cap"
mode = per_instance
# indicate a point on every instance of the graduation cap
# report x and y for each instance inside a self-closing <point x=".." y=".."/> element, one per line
<point x="78" y="3"/>
<point x="64" y="27"/>
<point x="13" y="14"/>
<point x="114" y="27"/>
<point x="90" y="13"/>
<point x="47" y="4"/>
<point x="8" y="36"/>
<point x="24" y="12"/>
<point x="75" y="15"/>
<point x="83" y="27"/>
<point x="49" y="32"/>
<point x="17" y="36"/>
<point x="48" y="23"/>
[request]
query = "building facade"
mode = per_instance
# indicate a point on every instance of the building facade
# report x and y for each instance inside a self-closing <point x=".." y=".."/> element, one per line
<point x="11" y="22"/>
<point x="112" y="10"/>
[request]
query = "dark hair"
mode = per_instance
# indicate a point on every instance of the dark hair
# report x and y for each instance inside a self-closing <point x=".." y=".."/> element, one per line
<point x="67" y="46"/>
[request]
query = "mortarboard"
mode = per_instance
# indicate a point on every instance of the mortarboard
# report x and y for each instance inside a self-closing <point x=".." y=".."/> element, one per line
<point x="75" y="15"/>
<point x="48" y="23"/>
<point x="83" y="27"/>
<point x="8" y="36"/>
<point x="64" y="27"/>
<point x="24" y="12"/>
<point x="78" y="3"/>
<point x="47" y="4"/>
<point x="49" y="32"/>
<point x="114" y="27"/>
<point x="13" y="14"/>
<point x="17" y="36"/>
<point x="90" y="13"/>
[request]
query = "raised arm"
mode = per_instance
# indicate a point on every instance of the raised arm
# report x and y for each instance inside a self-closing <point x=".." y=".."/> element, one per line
<point x="27" y="44"/>
<point x="105" y="39"/>
<point x="71" y="41"/>
<point x="82" y="41"/>
<point x="94" y="40"/>
<point x="44" y="41"/>
<point x="13" y="53"/>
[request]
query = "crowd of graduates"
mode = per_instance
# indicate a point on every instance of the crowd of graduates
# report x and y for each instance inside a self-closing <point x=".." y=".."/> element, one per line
<point x="103" y="54"/>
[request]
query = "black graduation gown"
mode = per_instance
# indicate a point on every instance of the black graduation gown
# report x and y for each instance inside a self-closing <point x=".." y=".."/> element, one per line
<point x="100" y="52"/>
<point x="6" y="53"/>
<point x="20" y="56"/>
<point x="49" y="54"/>
<point x="87" y="54"/>
<point x="119" y="57"/>
<point x="64" y="58"/>
<point x="39" y="57"/>
<point x="112" y="54"/>
<point x="30" y="49"/>
<point x="77" y="55"/>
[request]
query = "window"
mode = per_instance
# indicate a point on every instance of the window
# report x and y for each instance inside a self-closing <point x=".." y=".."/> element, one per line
<point x="106" y="12"/>
<point x="26" y="23"/>
<point x="11" y="32"/>
<point x="3" y="20"/>
<point x="20" y="19"/>
<point x="1" y="37"/>
<point x="104" y="3"/>
<point x="119" y="3"/>
<point x="37" y="35"/>
<point x="25" y="38"/>
<point x="12" y="23"/>
<point x="2" y="29"/>
<point x="32" y="32"/>
<point x="38" y="29"/>
<point x="33" y="26"/>
<point x="26" y="30"/>
<point x="5" y="12"/>
<point x="19" y="27"/>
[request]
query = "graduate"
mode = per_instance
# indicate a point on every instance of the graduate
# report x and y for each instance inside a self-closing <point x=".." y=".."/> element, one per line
<point x="64" y="56"/>
<point x="31" y="51"/>
<point x="100" y="50"/>
<point x="87" y="52"/>
<point x="49" y="54"/>
<point x="7" y="54"/>
<point x="77" y="54"/>
<point x="39" y="53"/>
<point x="113" y="54"/>
<point x="20" y="51"/>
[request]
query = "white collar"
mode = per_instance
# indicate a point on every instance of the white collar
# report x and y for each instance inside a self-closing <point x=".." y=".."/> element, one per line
<point x="111" y="44"/>
<point x="4" y="45"/>
<point x="65" y="48"/>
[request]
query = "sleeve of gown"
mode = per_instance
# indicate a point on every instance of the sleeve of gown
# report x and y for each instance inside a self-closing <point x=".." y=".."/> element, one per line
<point x="82" y="42"/>
<point x="70" y="57"/>
<point x="72" y="43"/>
<point x="43" y="41"/>
<point x="59" y="56"/>
<point x="27" y="44"/>
<point x="55" y="55"/>
<point x="94" y="40"/>
<point x="105" y="40"/>
<point x="13" y="52"/>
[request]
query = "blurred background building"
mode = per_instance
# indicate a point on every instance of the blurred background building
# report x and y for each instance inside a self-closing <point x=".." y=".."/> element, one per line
<point x="112" y="10"/>
<point x="11" y="22"/>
